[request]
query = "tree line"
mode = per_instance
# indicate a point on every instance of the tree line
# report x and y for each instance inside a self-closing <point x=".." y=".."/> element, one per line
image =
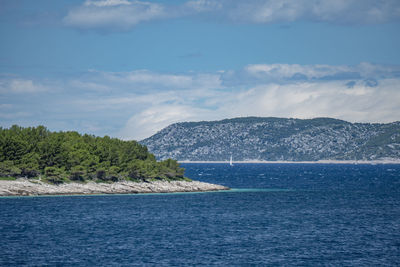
<point x="58" y="157"/>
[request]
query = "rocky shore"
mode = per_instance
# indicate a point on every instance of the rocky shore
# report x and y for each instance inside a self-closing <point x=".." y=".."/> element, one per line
<point x="25" y="187"/>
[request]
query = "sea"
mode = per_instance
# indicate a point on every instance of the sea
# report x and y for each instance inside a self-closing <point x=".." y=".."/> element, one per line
<point x="275" y="215"/>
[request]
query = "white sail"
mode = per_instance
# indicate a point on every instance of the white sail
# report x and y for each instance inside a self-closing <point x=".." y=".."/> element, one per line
<point x="230" y="161"/>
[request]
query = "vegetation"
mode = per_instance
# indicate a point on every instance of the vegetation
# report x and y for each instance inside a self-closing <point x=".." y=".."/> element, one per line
<point x="58" y="157"/>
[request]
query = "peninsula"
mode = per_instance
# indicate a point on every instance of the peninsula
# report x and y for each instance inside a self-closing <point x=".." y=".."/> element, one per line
<point x="35" y="161"/>
<point x="25" y="187"/>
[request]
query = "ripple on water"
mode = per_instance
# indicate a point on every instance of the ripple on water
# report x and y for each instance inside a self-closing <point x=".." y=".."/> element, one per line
<point x="347" y="216"/>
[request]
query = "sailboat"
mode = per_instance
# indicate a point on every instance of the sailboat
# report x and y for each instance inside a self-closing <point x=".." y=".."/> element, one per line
<point x="230" y="161"/>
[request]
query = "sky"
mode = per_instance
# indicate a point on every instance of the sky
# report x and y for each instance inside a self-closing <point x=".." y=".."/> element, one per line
<point x="128" y="68"/>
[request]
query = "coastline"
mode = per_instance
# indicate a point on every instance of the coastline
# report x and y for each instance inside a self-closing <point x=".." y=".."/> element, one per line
<point x="25" y="187"/>
<point x="372" y="162"/>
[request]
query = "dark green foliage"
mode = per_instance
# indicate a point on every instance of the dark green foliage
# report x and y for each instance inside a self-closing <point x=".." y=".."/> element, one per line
<point x="8" y="169"/>
<point x="59" y="156"/>
<point x="54" y="174"/>
<point x="78" y="173"/>
<point x="29" y="165"/>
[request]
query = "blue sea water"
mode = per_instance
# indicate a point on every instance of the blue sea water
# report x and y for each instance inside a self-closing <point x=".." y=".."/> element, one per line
<point x="278" y="214"/>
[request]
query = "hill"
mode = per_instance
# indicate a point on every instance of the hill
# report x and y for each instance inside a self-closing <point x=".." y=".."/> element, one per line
<point x="255" y="138"/>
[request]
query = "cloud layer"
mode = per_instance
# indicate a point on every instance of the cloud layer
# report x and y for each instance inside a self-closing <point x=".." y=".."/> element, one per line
<point x="125" y="14"/>
<point x="136" y="104"/>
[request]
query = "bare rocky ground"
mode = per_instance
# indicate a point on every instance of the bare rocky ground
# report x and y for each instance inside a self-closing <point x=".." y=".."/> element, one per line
<point x="25" y="187"/>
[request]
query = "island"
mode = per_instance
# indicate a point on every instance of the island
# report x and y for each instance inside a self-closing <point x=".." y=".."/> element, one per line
<point x="36" y="161"/>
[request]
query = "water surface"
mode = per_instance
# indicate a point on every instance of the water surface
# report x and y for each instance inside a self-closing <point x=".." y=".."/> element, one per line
<point x="280" y="214"/>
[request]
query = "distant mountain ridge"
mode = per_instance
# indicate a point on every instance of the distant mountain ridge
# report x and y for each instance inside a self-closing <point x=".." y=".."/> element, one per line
<point x="257" y="138"/>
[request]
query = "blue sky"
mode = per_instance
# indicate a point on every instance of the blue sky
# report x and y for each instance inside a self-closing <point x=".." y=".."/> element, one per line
<point x="128" y="68"/>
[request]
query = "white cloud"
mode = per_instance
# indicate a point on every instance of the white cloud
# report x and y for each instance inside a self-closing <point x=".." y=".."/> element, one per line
<point x="144" y="79"/>
<point x="90" y="85"/>
<point x="335" y="11"/>
<point x="106" y="3"/>
<point x="137" y="104"/>
<point x="315" y="96"/>
<point x="131" y="103"/>
<point x="290" y="72"/>
<point x="200" y="6"/>
<point x="295" y="100"/>
<point x="266" y="11"/>
<point x="285" y="71"/>
<point x="321" y="99"/>
<point x="153" y="119"/>
<point x="111" y="14"/>
<point x="124" y="14"/>
<point x="21" y="86"/>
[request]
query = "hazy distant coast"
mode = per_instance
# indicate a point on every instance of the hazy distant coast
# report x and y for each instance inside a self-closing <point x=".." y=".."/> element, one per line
<point x="277" y="139"/>
<point x="25" y="187"/>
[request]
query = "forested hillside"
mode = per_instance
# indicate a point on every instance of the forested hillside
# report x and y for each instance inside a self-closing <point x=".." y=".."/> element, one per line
<point x="64" y="156"/>
<point x="254" y="138"/>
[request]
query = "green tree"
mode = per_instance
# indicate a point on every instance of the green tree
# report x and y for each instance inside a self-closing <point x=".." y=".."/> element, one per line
<point x="29" y="165"/>
<point x="33" y="151"/>
<point x="77" y="173"/>
<point x="54" y="174"/>
<point x="8" y="169"/>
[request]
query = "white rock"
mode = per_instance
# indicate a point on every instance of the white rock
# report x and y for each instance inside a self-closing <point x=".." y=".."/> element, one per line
<point x="26" y="187"/>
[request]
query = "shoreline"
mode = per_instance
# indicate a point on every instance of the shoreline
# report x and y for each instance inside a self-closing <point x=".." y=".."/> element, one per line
<point x="25" y="187"/>
<point x="372" y="162"/>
